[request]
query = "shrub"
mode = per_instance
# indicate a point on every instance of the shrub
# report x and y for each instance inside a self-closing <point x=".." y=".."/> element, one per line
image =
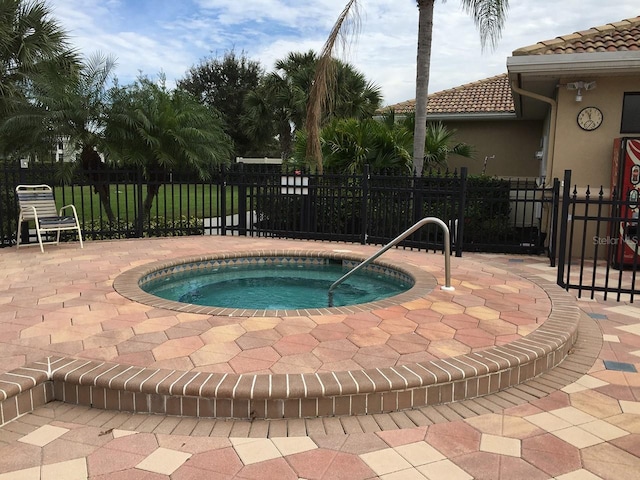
<point x="156" y="227"/>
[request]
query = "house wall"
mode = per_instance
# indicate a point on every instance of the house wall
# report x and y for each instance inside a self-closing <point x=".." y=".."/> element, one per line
<point x="588" y="154"/>
<point x="513" y="142"/>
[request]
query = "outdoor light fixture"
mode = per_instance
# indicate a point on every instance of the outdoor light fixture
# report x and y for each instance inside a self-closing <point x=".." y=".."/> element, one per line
<point x="579" y="86"/>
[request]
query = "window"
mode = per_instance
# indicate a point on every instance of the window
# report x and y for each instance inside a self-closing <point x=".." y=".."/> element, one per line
<point x="630" y="113"/>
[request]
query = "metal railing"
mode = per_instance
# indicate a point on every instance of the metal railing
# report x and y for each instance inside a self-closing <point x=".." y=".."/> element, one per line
<point x="484" y="214"/>
<point x="395" y="241"/>
<point x="598" y="248"/>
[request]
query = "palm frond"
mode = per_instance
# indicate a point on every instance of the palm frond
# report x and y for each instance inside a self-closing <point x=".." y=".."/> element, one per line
<point x="321" y="88"/>
<point x="489" y="17"/>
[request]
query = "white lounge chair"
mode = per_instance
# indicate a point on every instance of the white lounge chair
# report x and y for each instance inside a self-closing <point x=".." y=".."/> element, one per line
<point x="36" y="203"/>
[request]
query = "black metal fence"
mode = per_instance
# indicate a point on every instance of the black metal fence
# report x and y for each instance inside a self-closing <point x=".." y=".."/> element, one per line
<point x="598" y="243"/>
<point x="484" y="214"/>
<point x="593" y="236"/>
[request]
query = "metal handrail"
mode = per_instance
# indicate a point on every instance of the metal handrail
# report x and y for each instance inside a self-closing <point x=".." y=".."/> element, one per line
<point x="399" y="238"/>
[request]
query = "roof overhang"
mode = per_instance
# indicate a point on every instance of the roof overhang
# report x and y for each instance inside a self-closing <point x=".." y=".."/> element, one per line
<point x="452" y="117"/>
<point x="610" y="63"/>
<point x="541" y="74"/>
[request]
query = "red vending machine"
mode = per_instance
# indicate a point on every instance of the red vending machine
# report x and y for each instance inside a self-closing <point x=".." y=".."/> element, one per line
<point x="625" y="183"/>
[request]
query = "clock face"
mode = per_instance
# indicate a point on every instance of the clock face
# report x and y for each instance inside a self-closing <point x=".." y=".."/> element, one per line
<point x="590" y="118"/>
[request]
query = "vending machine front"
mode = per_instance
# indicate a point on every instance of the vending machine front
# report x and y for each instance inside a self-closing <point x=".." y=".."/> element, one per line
<point x="625" y="184"/>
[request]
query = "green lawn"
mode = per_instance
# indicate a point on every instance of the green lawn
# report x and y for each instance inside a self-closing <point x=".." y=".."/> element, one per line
<point x="173" y="201"/>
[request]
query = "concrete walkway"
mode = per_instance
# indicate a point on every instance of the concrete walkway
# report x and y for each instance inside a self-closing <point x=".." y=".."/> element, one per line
<point x="577" y="422"/>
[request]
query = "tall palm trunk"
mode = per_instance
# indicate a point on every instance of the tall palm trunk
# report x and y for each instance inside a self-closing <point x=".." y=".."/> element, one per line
<point x="285" y="139"/>
<point x="425" y="33"/>
<point x="488" y="15"/>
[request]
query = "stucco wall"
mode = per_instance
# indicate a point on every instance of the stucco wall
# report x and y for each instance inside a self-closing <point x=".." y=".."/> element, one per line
<point x="513" y="142"/>
<point x="588" y="154"/>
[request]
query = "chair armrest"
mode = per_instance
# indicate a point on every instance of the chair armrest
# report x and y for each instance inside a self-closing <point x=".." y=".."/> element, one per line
<point x="32" y="208"/>
<point x="72" y="207"/>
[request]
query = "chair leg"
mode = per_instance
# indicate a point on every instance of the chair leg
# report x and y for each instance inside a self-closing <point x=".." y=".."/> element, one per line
<point x="39" y="238"/>
<point x="75" y="216"/>
<point x="80" y="237"/>
<point x="18" y="232"/>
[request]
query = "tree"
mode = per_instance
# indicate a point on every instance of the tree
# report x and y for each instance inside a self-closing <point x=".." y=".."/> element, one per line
<point x="439" y="143"/>
<point x="279" y="106"/>
<point x="349" y="144"/>
<point x="223" y="83"/>
<point x="75" y="110"/>
<point x="29" y="40"/>
<point x="159" y="131"/>
<point x="354" y="97"/>
<point x="32" y="45"/>
<point x="385" y="144"/>
<point x="489" y="17"/>
<point x="276" y="108"/>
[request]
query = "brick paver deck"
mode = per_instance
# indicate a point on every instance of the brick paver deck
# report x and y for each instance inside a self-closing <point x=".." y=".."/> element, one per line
<point x="579" y="419"/>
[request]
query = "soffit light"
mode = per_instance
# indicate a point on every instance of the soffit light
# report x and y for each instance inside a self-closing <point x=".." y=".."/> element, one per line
<point x="579" y="86"/>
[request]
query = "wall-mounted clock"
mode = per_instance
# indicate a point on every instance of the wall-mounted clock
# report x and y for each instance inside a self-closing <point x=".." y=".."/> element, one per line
<point x="590" y="118"/>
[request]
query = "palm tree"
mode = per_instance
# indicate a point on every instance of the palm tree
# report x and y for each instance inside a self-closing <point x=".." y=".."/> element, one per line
<point x="439" y="142"/>
<point x="355" y="96"/>
<point x="73" y="109"/>
<point x="29" y="39"/>
<point x="160" y="131"/>
<point x="33" y="48"/>
<point x="489" y="17"/>
<point x="439" y="145"/>
<point x="279" y="106"/>
<point x="348" y="144"/>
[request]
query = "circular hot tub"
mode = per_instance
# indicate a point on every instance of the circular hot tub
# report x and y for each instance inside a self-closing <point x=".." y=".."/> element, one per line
<point x="250" y="283"/>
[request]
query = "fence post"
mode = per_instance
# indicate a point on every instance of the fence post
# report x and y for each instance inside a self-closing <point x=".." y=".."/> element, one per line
<point x="564" y="220"/>
<point x="462" y="200"/>
<point x="555" y="202"/>
<point x="364" y="201"/>
<point x="242" y="201"/>
<point x="8" y="207"/>
<point x="418" y="199"/>
<point x="140" y="204"/>
<point x="24" y="229"/>
<point x="222" y="193"/>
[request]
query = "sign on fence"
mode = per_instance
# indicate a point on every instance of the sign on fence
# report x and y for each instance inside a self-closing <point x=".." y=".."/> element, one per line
<point x="294" y="185"/>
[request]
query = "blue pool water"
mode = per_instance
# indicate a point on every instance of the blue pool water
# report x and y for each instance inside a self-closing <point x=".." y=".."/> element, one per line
<point x="274" y="287"/>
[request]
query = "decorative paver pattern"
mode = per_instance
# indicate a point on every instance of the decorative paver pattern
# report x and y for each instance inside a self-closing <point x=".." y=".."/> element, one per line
<point x="423" y="347"/>
<point x="442" y="441"/>
<point x="83" y="316"/>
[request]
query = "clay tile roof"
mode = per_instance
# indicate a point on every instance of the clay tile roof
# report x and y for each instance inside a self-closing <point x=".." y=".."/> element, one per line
<point x="612" y="37"/>
<point x="491" y="95"/>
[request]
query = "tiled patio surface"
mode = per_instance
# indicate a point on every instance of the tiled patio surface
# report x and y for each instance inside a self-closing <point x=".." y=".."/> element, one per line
<point x="570" y="426"/>
<point x="63" y="303"/>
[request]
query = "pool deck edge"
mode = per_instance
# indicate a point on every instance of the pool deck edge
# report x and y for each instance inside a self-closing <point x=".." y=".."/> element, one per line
<point x="115" y="386"/>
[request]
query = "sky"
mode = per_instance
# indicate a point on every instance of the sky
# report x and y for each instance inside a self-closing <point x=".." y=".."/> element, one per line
<point x="170" y="36"/>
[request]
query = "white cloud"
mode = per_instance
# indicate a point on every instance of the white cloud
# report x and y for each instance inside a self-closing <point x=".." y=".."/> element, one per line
<point x="171" y="35"/>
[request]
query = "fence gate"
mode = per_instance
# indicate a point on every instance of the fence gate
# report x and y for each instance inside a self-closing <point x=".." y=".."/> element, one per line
<point x="598" y="250"/>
